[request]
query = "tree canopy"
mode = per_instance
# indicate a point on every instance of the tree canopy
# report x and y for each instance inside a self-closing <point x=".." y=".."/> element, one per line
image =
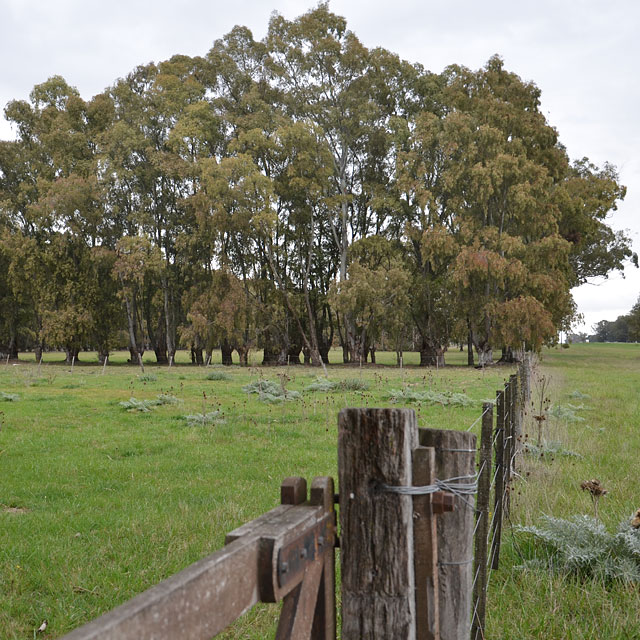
<point x="291" y="194"/>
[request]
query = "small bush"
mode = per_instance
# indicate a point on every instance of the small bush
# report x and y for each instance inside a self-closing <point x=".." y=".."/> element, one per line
<point x="166" y="398"/>
<point x="568" y="414"/>
<point x="353" y="384"/>
<point x="217" y="375"/>
<point x="204" y="419"/>
<point x="549" y="449"/>
<point x="133" y="404"/>
<point x="145" y="406"/>
<point x="576" y="395"/>
<point x="445" y="398"/>
<point x="583" y="546"/>
<point x="9" y="397"/>
<point x="271" y="392"/>
<point x="147" y="377"/>
<point x="323" y="385"/>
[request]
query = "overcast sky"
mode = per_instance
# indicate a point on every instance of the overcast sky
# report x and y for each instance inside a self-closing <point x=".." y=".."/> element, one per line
<point x="583" y="54"/>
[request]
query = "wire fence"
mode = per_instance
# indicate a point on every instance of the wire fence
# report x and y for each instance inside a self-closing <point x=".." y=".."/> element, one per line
<point x="501" y="441"/>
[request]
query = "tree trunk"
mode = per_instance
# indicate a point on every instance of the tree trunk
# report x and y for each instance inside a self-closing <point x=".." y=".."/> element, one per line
<point x="485" y="354"/>
<point x="168" y="316"/>
<point x="271" y="354"/>
<point x="197" y="351"/>
<point x="38" y="352"/>
<point x="103" y="354"/>
<point x="372" y="351"/>
<point x="293" y="355"/>
<point x="431" y="355"/>
<point x="131" y="325"/>
<point x="325" y="340"/>
<point x="324" y="353"/>
<point x="13" y="346"/>
<point x="243" y="354"/>
<point x="275" y="348"/>
<point x="71" y="355"/>
<point x="227" y="351"/>
<point x="470" y="361"/>
<point x="161" y="354"/>
<point x="507" y="355"/>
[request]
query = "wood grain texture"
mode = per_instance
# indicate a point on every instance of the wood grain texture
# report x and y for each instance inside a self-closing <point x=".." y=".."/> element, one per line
<point x="425" y="547"/>
<point x="455" y="532"/>
<point x="480" y="564"/>
<point x="374" y="447"/>
<point x="324" y="622"/>
<point x="203" y="599"/>
<point x="496" y="531"/>
<point x="195" y="604"/>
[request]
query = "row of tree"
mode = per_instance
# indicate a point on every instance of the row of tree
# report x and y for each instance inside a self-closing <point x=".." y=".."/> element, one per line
<point x="291" y="194"/>
<point x="625" y="328"/>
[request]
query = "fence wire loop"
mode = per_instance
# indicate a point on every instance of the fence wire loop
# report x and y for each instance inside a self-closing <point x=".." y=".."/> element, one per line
<point x="451" y="485"/>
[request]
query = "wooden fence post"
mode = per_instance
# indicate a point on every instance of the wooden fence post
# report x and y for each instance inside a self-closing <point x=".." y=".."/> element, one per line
<point x="515" y="418"/>
<point x="324" y="624"/>
<point x="378" y="581"/>
<point x="455" y="458"/>
<point x="509" y="448"/>
<point x="425" y="547"/>
<point x="498" y="504"/>
<point x="482" y="525"/>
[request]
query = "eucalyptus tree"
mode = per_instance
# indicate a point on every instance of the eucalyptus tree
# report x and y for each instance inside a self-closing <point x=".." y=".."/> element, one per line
<point x="587" y="196"/>
<point x="281" y="258"/>
<point x="505" y="167"/>
<point x="147" y="180"/>
<point x="322" y="71"/>
<point x="375" y="295"/>
<point x="58" y="210"/>
<point x="634" y="322"/>
<point x="429" y="228"/>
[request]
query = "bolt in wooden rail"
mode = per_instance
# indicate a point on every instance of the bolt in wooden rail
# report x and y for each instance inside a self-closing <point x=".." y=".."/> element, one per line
<point x="287" y="553"/>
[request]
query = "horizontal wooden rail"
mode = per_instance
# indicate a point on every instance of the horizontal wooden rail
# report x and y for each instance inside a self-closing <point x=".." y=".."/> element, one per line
<point x="203" y="599"/>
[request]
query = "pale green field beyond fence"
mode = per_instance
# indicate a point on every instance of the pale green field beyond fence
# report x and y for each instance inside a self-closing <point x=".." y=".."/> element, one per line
<point x="98" y="503"/>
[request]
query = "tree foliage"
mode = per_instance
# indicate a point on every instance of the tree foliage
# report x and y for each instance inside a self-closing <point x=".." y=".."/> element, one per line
<point x="291" y="193"/>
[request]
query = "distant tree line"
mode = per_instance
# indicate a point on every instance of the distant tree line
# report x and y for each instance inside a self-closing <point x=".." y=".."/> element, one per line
<point x="291" y="194"/>
<point x="625" y="328"/>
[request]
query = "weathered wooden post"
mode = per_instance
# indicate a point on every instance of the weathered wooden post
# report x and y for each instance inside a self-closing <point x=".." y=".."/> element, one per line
<point x="425" y="537"/>
<point x="480" y="564"/>
<point x="378" y="581"/>
<point x="509" y="448"/>
<point x="455" y="461"/>
<point x="516" y="418"/>
<point x="500" y="472"/>
<point x="310" y="608"/>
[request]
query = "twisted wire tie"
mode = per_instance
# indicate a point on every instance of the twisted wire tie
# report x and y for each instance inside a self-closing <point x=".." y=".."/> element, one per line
<point x="451" y="485"/>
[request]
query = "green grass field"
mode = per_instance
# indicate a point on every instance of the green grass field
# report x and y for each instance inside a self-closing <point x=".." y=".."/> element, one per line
<point x="98" y="503"/>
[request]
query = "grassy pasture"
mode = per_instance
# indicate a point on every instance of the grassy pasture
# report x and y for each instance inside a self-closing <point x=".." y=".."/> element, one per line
<point x="98" y="503"/>
<point x="527" y="603"/>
